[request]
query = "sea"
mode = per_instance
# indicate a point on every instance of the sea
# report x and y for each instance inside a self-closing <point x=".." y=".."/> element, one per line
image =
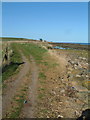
<point x="84" y="43"/>
<point x="59" y="47"/>
<point x="75" y="43"/>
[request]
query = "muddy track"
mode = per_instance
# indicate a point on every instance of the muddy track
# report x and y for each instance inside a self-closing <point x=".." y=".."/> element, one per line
<point x="29" y="109"/>
<point x="13" y="86"/>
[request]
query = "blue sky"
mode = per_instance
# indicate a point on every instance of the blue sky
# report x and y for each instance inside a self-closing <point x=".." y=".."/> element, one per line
<point x="52" y="21"/>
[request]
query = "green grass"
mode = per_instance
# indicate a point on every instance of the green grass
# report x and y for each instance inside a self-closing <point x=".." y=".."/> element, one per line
<point x="11" y="39"/>
<point x="32" y="49"/>
<point x="16" y="57"/>
<point x="41" y="89"/>
<point x="11" y="68"/>
<point x="15" y="112"/>
<point x="9" y="72"/>
<point x="42" y="75"/>
<point x="44" y="111"/>
<point x="41" y="95"/>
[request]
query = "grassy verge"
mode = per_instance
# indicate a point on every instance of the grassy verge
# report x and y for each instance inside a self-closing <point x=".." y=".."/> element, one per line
<point x="10" y="69"/>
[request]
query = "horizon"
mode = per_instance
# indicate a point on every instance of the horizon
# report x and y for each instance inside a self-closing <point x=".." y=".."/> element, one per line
<point x="46" y="40"/>
<point x="57" y="22"/>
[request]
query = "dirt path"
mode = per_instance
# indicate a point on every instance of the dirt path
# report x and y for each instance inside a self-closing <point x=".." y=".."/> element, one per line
<point x="13" y="86"/>
<point x="29" y="108"/>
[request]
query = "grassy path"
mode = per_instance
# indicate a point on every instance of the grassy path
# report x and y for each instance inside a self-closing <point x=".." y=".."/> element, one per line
<point x="28" y="110"/>
<point x="14" y="85"/>
<point x="51" y="88"/>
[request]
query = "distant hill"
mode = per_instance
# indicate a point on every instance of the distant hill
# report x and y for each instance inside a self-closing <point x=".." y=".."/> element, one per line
<point x="11" y="39"/>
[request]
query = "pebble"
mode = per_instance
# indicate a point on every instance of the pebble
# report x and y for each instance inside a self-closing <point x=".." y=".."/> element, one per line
<point x="60" y="116"/>
<point x="78" y="75"/>
<point x="76" y="113"/>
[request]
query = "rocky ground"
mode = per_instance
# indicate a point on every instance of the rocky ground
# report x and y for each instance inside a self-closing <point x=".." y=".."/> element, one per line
<point x="67" y="85"/>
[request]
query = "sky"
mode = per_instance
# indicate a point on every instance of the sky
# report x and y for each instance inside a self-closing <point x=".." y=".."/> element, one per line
<point x="51" y="21"/>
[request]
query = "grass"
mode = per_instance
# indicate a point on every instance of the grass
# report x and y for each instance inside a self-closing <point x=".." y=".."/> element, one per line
<point x="11" y="39"/>
<point x="41" y="95"/>
<point x="16" y="57"/>
<point x="41" y="89"/>
<point x="16" y="110"/>
<point x="10" y="69"/>
<point x="33" y="49"/>
<point x="42" y="75"/>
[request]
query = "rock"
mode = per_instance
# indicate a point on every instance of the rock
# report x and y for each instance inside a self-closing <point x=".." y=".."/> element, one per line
<point x="80" y="57"/>
<point x="47" y="116"/>
<point x="78" y="76"/>
<point x="75" y="65"/>
<point x="59" y="77"/>
<point x="87" y="64"/>
<point x="80" y="65"/>
<point x="87" y="76"/>
<point x="81" y="73"/>
<point x="77" y="113"/>
<point x="53" y="93"/>
<point x="69" y="72"/>
<point x="62" y="91"/>
<point x="60" y="116"/>
<point x="70" y="69"/>
<point x="25" y="101"/>
<point x="68" y="76"/>
<point x="84" y="59"/>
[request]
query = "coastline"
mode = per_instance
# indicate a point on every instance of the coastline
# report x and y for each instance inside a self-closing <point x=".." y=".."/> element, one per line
<point x="78" y="46"/>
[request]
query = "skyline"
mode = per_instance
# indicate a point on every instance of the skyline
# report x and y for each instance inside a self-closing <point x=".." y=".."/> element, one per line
<point x="51" y="21"/>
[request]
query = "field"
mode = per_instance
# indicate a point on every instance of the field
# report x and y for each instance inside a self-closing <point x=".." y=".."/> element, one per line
<point x="38" y="82"/>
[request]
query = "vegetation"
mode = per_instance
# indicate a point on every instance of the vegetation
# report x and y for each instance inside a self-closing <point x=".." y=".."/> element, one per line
<point x="13" y="39"/>
<point x="18" y="100"/>
<point x="10" y="39"/>
<point x="42" y="75"/>
<point x="15" y="59"/>
<point x="32" y="49"/>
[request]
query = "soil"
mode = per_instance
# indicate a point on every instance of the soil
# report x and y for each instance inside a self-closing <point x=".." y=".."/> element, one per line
<point x="13" y="86"/>
<point x="28" y="110"/>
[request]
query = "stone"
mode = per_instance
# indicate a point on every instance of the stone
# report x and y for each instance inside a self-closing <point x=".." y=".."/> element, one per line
<point x="77" y="113"/>
<point x="62" y="91"/>
<point x="87" y="76"/>
<point x="60" y="116"/>
<point x="78" y="75"/>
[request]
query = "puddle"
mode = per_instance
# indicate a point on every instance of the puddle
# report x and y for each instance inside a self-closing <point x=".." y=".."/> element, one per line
<point x="58" y="47"/>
